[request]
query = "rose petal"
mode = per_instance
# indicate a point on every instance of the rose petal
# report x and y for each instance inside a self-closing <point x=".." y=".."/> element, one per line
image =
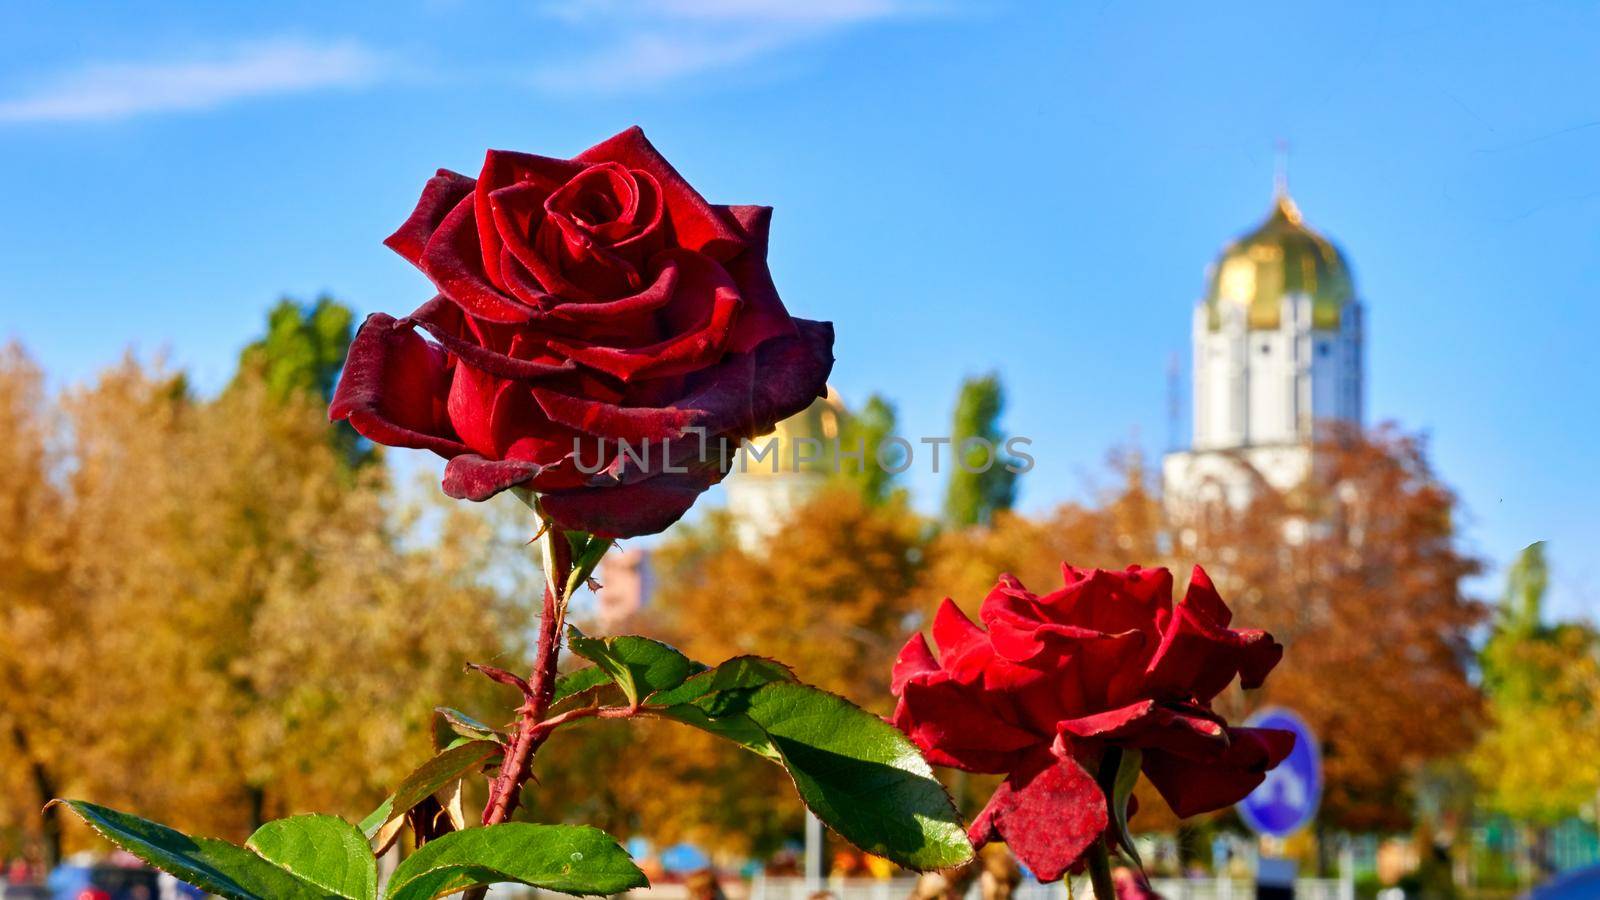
<point x="1017" y="626"/>
<point x="1202" y="597"/>
<point x="964" y="648"/>
<point x="1147" y="724"/>
<point x="1197" y="659"/>
<point x="453" y="261"/>
<point x="638" y="426"/>
<point x="697" y="224"/>
<point x="442" y="193"/>
<point x="576" y="203"/>
<point x="1111" y="601"/>
<point x="763" y="317"/>
<point x="1048" y="814"/>
<point x="1113" y="723"/>
<point x="445" y="321"/>
<point x="626" y="316"/>
<point x="565" y="257"/>
<point x="1192" y="786"/>
<point x="914" y="659"/>
<point x="500" y="169"/>
<point x="471" y="477"/>
<point x="791" y="372"/>
<point x="700" y="318"/>
<point x="394" y="387"/>
<point x="957" y="726"/>
<point x="737" y="398"/>
<point x="629" y="510"/>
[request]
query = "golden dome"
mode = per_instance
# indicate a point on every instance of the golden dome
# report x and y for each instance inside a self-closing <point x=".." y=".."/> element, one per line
<point x="1280" y="257"/>
<point x="820" y="422"/>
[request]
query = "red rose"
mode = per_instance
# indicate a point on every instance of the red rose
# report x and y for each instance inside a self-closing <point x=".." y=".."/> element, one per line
<point x="602" y="335"/>
<point x="1106" y="662"/>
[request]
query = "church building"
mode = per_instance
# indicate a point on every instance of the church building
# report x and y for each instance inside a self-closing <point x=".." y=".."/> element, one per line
<point x="1277" y="351"/>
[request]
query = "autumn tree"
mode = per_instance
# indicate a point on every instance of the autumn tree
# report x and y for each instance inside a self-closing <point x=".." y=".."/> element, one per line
<point x="1118" y="525"/>
<point x="36" y="666"/>
<point x="1537" y="762"/>
<point x="1357" y="570"/>
<point x="831" y="594"/>
<point x="204" y="603"/>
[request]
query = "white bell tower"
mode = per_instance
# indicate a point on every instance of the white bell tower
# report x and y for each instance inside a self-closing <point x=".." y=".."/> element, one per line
<point x="1277" y="350"/>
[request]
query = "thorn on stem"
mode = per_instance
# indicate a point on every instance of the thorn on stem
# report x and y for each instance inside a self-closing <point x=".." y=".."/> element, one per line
<point x="544" y="528"/>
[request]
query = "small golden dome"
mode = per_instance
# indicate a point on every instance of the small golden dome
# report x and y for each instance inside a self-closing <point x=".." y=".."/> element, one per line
<point x="1280" y="257"/>
<point x="820" y="422"/>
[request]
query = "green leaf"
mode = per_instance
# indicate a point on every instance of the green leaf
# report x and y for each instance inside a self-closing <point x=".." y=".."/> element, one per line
<point x="861" y="776"/>
<point x="1121" y="788"/>
<point x="638" y="665"/>
<point x="436" y="773"/>
<point x="574" y="683"/>
<point x="571" y="859"/>
<point x="324" y="850"/>
<point x="740" y="729"/>
<point x="466" y="726"/>
<point x="207" y="863"/>
<point x="741" y="673"/>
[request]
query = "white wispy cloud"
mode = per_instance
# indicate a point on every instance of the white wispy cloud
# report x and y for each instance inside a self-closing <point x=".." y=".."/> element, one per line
<point x="103" y="91"/>
<point x="647" y="43"/>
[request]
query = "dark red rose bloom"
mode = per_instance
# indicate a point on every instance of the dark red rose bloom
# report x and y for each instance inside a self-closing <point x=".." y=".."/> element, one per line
<point x="1106" y="662"/>
<point x="593" y="310"/>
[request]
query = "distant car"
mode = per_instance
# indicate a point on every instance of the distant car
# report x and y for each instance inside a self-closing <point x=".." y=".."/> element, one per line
<point x="1579" y="884"/>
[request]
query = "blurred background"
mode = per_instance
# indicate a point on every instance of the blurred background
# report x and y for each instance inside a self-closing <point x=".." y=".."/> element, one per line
<point x="1304" y="295"/>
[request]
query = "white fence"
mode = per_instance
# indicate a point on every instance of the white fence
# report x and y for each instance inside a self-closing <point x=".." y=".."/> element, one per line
<point x="763" y="888"/>
<point x="1169" y="888"/>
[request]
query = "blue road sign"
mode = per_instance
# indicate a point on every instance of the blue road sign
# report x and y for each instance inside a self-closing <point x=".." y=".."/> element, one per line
<point x="1287" y="800"/>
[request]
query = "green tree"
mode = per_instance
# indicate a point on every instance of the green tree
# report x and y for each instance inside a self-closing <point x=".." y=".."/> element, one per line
<point x="867" y="428"/>
<point x="1522" y="605"/>
<point x="303" y="349"/>
<point x="300" y="355"/>
<point x="975" y="493"/>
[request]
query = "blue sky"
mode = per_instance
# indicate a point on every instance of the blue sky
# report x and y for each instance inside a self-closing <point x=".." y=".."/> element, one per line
<point x="1029" y="187"/>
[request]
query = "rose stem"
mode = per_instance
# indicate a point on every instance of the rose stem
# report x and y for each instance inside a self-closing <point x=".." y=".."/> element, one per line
<point x="1099" y="859"/>
<point x="506" y="789"/>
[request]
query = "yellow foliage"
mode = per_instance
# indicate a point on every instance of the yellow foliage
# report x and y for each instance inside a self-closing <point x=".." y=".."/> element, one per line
<point x="209" y="616"/>
<point x="1538" y="760"/>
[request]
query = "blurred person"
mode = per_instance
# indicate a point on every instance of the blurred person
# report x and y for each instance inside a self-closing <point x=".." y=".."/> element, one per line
<point x="702" y="885"/>
<point x="1132" y="885"/>
<point x="19" y="872"/>
<point x="950" y="884"/>
<point x="933" y="886"/>
<point x="784" y="864"/>
<point x="1000" y="875"/>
